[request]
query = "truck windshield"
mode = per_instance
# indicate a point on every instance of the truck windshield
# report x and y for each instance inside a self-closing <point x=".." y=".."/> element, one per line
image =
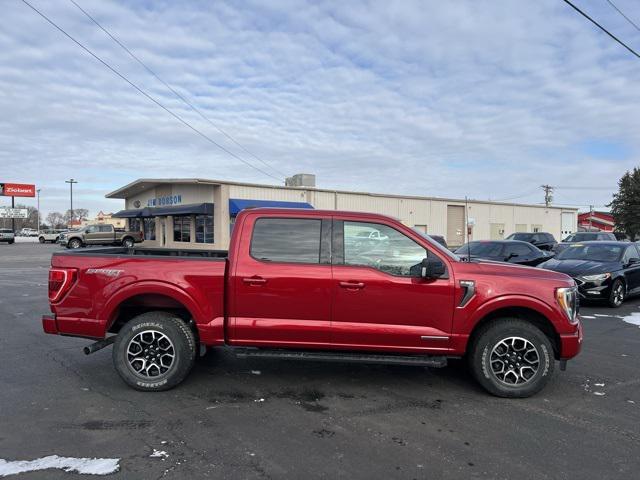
<point x="594" y="252"/>
<point x="437" y="246"/>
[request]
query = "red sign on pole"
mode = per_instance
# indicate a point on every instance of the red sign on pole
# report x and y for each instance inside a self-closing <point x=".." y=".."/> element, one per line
<point x="17" y="190"/>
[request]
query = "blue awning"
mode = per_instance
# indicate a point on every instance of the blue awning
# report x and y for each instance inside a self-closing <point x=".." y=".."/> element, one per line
<point x="236" y="205"/>
<point x="129" y="213"/>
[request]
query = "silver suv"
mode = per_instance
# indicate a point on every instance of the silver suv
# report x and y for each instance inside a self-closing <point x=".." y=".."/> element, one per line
<point x="7" y="236"/>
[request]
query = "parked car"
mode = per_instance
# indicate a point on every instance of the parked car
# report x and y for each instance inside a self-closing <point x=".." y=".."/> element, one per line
<point x="440" y="239"/>
<point x="293" y="286"/>
<point x="602" y="270"/>
<point x="585" y="237"/>
<point x="50" y="235"/>
<point x="104" y="234"/>
<point x="28" y="232"/>
<point x="542" y="240"/>
<point x="7" y="236"/>
<point x="512" y="251"/>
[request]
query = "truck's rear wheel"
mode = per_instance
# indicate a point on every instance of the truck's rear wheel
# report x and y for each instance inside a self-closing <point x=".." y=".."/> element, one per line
<point x="154" y="351"/>
<point x="511" y="358"/>
<point x="128" y="242"/>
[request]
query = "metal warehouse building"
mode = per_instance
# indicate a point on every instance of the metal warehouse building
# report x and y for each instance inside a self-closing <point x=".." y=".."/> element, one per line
<point x="200" y="213"/>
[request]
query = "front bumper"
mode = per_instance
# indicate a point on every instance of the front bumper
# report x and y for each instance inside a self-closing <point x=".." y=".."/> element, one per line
<point x="571" y="343"/>
<point x="594" y="290"/>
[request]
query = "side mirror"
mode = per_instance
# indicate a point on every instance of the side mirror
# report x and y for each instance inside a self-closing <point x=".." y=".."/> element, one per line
<point x="432" y="267"/>
<point x="511" y="255"/>
<point x="633" y="261"/>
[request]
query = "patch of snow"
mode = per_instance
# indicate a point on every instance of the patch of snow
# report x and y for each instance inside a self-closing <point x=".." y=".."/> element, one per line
<point x="163" y="442"/>
<point x="606" y="316"/>
<point x="599" y="384"/>
<point x="86" y="466"/>
<point x="587" y="316"/>
<point x="159" y="454"/>
<point x="259" y="400"/>
<point x="600" y="394"/>
<point x="630" y="401"/>
<point x="633" y="319"/>
<point x="256" y="372"/>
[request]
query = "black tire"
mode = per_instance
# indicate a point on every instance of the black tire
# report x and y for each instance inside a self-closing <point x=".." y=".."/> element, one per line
<point x="41" y="240"/>
<point x="172" y="336"/>
<point x="617" y="294"/>
<point x="128" y="242"/>
<point x="521" y="379"/>
<point x="74" y="243"/>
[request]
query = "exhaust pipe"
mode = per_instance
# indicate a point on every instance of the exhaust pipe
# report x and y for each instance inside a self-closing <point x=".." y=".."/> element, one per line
<point x="99" y="345"/>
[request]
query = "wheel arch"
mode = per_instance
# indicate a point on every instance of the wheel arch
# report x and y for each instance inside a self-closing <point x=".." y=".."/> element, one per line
<point x="525" y="313"/>
<point x="147" y="297"/>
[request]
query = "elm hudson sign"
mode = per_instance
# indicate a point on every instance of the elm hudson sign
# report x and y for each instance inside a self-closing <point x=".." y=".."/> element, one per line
<point x="17" y="190"/>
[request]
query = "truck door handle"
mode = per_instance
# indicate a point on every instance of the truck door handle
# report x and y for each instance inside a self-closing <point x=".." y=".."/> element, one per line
<point x="352" y="285"/>
<point x="254" y="280"/>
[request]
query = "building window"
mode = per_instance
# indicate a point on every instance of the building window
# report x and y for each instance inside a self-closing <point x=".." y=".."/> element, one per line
<point x="149" y="228"/>
<point x="182" y="229"/>
<point x="135" y="225"/>
<point x="204" y="228"/>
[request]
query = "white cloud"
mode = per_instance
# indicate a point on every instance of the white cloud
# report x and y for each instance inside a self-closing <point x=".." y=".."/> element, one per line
<point x="478" y="98"/>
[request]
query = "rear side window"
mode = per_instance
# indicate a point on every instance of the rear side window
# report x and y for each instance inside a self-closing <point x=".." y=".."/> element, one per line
<point x="519" y="249"/>
<point x="105" y="228"/>
<point x="294" y="240"/>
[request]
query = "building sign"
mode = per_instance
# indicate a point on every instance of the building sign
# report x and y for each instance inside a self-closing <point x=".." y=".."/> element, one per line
<point x="6" y="212"/>
<point x="17" y="190"/>
<point x="164" y="201"/>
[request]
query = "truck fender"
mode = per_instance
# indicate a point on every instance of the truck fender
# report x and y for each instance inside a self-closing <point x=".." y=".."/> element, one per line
<point x="507" y="301"/>
<point x="145" y="288"/>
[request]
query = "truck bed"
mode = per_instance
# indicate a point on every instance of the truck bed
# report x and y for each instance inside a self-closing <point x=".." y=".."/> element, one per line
<point x="115" y="281"/>
<point x="145" y="251"/>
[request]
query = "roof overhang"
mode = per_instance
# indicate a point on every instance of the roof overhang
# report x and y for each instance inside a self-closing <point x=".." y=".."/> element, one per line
<point x="143" y="184"/>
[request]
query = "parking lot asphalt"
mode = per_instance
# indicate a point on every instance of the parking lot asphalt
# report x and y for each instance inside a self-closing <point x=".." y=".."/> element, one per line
<point x="275" y="419"/>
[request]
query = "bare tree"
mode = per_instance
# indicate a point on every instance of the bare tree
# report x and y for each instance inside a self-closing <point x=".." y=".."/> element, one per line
<point x="56" y="220"/>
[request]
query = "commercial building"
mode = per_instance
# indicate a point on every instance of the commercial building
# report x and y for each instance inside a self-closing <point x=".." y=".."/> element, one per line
<point x="596" y="222"/>
<point x="200" y="213"/>
<point x="106" y="219"/>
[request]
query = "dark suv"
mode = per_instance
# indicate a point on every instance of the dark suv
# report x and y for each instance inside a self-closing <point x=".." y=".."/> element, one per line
<point x="542" y="240"/>
<point x="585" y="237"/>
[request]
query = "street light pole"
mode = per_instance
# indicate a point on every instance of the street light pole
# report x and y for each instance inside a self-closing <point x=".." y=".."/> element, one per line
<point x="38" y="193"/>
<point x="71" y="181"/>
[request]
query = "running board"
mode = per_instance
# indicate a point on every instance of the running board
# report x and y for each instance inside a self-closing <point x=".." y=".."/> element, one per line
<point x="345" y="357"/>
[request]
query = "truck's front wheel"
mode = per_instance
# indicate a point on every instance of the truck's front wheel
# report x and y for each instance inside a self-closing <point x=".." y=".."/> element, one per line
<point x="154" y="351"/>
<point x="511" y="358"/>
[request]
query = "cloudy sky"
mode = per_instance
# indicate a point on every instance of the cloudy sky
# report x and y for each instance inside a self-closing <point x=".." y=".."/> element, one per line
<point x="488" y="99"/>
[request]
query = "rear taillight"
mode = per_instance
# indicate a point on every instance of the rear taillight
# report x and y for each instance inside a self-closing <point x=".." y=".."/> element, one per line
<point x="60" y="281"/>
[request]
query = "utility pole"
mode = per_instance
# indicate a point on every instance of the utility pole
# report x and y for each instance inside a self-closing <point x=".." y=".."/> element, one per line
<point x="71" y="181"/>
<point x="548" y="194"/>
<point x="38" y="197"/>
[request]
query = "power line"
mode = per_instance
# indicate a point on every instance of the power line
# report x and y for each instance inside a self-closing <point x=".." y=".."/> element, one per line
<point x="177" y="94"/>
<point x="621" y="13"/>
<point x="170" y="112"/>
<point x="600" y="27"/>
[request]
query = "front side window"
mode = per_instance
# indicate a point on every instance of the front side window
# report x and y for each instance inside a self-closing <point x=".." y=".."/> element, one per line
<point x="381" y="247"/>
<point x="518" y="249"/>
<point x="294" y="240"/>
<point x="182" y="229"/>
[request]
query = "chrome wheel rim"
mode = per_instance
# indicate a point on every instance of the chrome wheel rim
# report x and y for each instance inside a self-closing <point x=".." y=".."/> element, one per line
<point x="618" y="294"/>
<point x="128" y="243"/>
<point x="514" y="361"/>
<point x="150" y="354"/>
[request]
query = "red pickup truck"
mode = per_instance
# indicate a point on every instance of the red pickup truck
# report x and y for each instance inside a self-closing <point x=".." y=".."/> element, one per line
<point x="316" y="285"/>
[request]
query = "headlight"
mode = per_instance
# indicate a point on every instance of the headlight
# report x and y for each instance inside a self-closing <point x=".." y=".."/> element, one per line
<point x="596" y="278"/>
<point x="567" y="298"/>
